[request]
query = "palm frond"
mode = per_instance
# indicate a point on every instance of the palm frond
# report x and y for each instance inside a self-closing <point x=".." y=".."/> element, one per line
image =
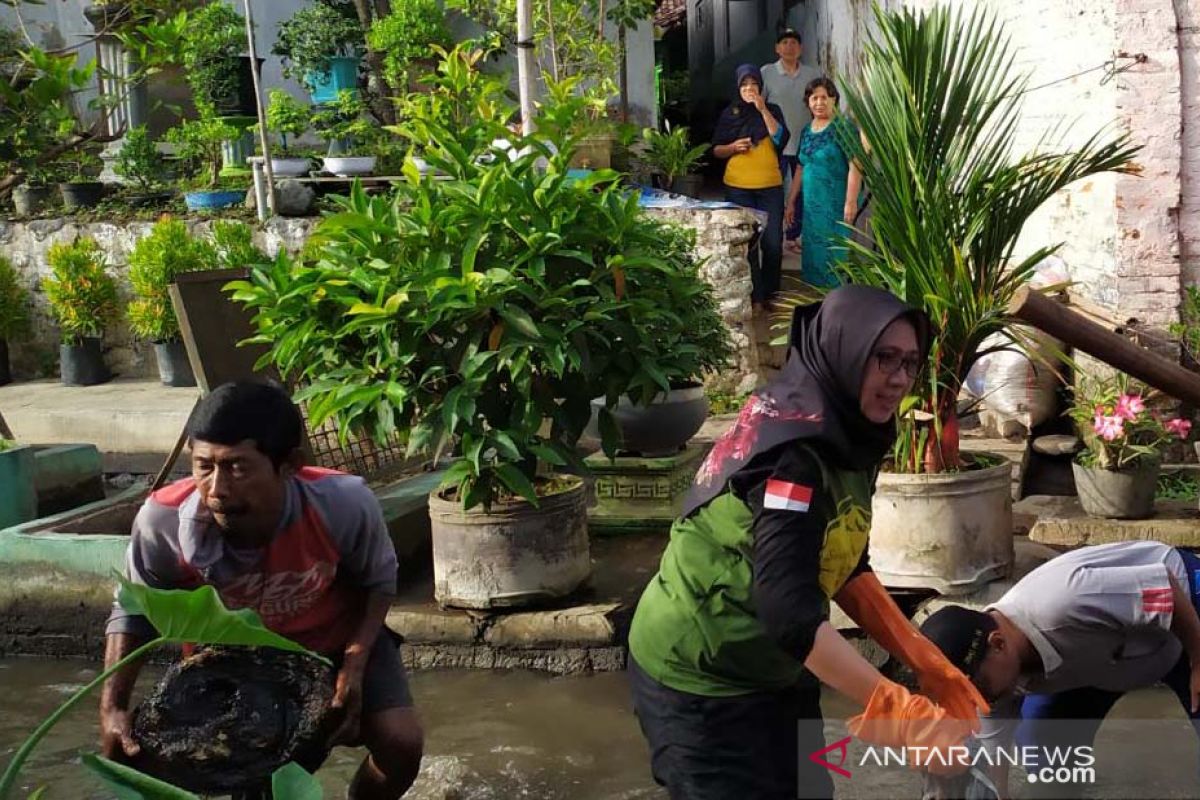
<point x="938" y="106"/>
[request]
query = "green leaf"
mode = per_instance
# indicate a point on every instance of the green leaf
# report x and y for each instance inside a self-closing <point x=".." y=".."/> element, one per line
<point x="129" y="784"/>
<point x="548" y="454"/>
<point x="610" y="434"/>
<point x="199" y="616"/>
<point x="516" y="482"/>
<point x="293" y="782"/>
<point x="519" y="319"/>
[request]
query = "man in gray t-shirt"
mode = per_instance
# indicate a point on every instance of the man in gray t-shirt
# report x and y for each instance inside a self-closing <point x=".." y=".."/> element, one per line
<point x="783" y="84"/>
<point x="1072" y="636"/>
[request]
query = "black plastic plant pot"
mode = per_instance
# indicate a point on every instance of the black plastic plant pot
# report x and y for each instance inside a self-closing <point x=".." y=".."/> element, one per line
<point x="82" y="363"/>
<point x="85" y="194"/>
<point x="174" y="369"/>
<point x="5" y="366"/>
<point x="240" y="101"/>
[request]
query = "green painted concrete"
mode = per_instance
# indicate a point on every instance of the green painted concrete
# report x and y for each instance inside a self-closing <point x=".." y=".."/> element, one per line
<point x="18" y="498"/>
<point x="50" y="540"/>
<point x="67" y="476"/>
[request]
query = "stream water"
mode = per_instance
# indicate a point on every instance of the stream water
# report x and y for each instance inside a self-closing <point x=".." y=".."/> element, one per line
<point x="497" y="735"/>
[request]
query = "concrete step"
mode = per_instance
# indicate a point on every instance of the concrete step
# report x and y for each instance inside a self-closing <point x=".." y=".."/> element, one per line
<point x="133" y="422"/>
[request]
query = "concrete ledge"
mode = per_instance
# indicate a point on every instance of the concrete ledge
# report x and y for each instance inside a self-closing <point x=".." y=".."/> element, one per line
<point x="1062" y="523"/>
<point x="589" y="625"/>
<point x="560" y="661"/>
<point x="135" y="420"/>
<point x="67" y="476"/>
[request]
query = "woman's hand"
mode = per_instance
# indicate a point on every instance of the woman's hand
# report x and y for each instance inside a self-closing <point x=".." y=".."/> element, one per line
<point x="789" y="215"/>
<point x="743" y="145"/>
<point x="849" y="212"/>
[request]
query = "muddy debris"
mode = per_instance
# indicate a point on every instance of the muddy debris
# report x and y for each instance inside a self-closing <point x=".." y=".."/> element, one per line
<point x="223" y="719"/>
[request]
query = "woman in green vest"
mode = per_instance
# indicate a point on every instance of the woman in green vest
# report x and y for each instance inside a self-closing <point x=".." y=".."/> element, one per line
<point x="731" y="638"/>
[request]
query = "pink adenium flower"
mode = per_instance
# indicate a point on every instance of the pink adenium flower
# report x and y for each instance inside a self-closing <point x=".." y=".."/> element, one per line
<point x="1109" y="428"/>
<point x="1179" y="427"/>
<point x="1129" y="406"/>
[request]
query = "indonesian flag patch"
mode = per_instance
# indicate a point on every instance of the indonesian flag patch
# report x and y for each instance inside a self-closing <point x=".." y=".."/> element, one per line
<point x="785" y="496"/>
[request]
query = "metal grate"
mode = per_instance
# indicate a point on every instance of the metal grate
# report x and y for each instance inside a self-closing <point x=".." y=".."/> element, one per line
<point x="359" y="456"/>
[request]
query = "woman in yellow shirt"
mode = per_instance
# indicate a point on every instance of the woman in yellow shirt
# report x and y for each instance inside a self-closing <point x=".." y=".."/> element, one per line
<point x="750" y="133"/>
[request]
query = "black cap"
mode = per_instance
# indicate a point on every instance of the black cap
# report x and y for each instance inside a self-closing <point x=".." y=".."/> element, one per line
<point x="961" y="634"/>
<point x="789" y="33"/>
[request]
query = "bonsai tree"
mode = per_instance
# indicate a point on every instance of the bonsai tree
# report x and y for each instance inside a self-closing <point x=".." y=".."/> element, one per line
<point x="406" y="38"/>
<point x="938" y="102"/>
<point x="198" y="144"/>
<point x="345" y="126"/>
<point x="211" y="53"/>
<point x="169" y="250"/>
<point x="669" y="152"/>
<point x="286" y="116"/>
<point x="312" y="37"/>
<point x="139" y="160"/>
<point x="82" y="295"/>
<point x="14" y="314"/>
<point x="502" y="295"/>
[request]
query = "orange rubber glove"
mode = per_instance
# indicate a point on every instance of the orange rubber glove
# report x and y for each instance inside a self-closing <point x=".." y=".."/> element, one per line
<point x="895" y="717"/>
<point x="870" y="605"/>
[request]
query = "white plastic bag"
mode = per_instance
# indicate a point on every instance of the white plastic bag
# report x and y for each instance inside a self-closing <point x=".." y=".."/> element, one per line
<point x="1013" y="387"/>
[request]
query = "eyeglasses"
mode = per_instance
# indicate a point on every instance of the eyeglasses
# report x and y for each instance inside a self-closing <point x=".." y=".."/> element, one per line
<point x="890" y="362"/>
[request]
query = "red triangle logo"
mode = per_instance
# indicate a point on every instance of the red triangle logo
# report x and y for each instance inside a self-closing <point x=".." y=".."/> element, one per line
<point x="840" y="746"/>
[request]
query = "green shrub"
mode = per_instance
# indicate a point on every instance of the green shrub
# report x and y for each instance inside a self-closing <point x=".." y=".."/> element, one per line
<point x="139" y="159"/>
<point x="312" y="36"/>
<point x="234" y="245"/>
<point x="212" y="47"/>
<point x="286" y="116"/>
<point x="14" y="304"/>
<point x="407" y="36"/>
<point x="82" y="296"/>
<point x="154" y="262"/>
<point x="479" y="305"/>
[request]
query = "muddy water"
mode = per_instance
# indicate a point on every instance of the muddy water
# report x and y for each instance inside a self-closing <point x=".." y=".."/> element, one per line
<point x="495" y="735"/>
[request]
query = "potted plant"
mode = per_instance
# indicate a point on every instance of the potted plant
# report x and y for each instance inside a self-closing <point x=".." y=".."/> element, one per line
<point x="140" y="163"/>
<point x="78" y="185"/>
<point x="83" y="299"/>
<point x="198" y="144"/>
<point x="14" y="315"/>
<point x="18" y="493"/>
<point x="36" y="193"/>
<point x="951" y="194"/>
<point x="220" y="76"/>
<point x="321" y="47"/>
<point x="488" y="307"/>
<point x="287" y="116"/>
<point x="169" y="249"/>
<point x="1116" y="473"/>
<point x="408" y="39"/>
<point x="351" y="136"/>
<point x="670" y="155"/>
<point x="684" y="340"/>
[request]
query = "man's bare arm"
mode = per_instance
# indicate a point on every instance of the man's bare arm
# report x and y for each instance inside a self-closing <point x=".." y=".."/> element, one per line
<point x="115" y="736"/>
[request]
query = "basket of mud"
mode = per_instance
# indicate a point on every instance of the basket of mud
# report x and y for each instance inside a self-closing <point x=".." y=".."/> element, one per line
<point x="223" y="719"/>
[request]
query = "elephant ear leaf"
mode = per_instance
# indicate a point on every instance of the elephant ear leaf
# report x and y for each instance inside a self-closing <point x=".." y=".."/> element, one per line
<point x="293" y="782"/>
<point x="198" y="616"/>
<point x="129" y="784"/>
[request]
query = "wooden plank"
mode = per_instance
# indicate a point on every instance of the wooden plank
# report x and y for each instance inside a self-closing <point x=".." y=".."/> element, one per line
<point x="1113" y="349"/>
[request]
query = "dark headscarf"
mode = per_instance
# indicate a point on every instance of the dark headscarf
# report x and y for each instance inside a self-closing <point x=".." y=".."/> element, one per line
<point x="743" y="119"/>
<point x="815" y="397"/>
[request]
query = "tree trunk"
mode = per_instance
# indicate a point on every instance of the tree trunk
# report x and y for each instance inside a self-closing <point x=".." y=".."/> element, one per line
<point x="385" y="109"/>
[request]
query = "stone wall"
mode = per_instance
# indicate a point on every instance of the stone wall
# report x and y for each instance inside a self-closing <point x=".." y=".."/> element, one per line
<point x="26" y="243"/>
<point x="722" y="239"/>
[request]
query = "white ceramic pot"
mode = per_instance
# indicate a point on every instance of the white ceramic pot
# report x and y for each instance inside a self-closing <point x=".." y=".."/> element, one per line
<point x="349" y="166"/>
<point x="290" y="167"/>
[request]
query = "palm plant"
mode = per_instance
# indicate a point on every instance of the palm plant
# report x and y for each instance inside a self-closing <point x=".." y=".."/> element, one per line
<point x="938" y="104"/>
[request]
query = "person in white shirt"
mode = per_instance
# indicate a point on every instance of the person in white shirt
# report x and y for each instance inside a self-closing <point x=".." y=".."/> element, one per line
<point x="783" y="84"/>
